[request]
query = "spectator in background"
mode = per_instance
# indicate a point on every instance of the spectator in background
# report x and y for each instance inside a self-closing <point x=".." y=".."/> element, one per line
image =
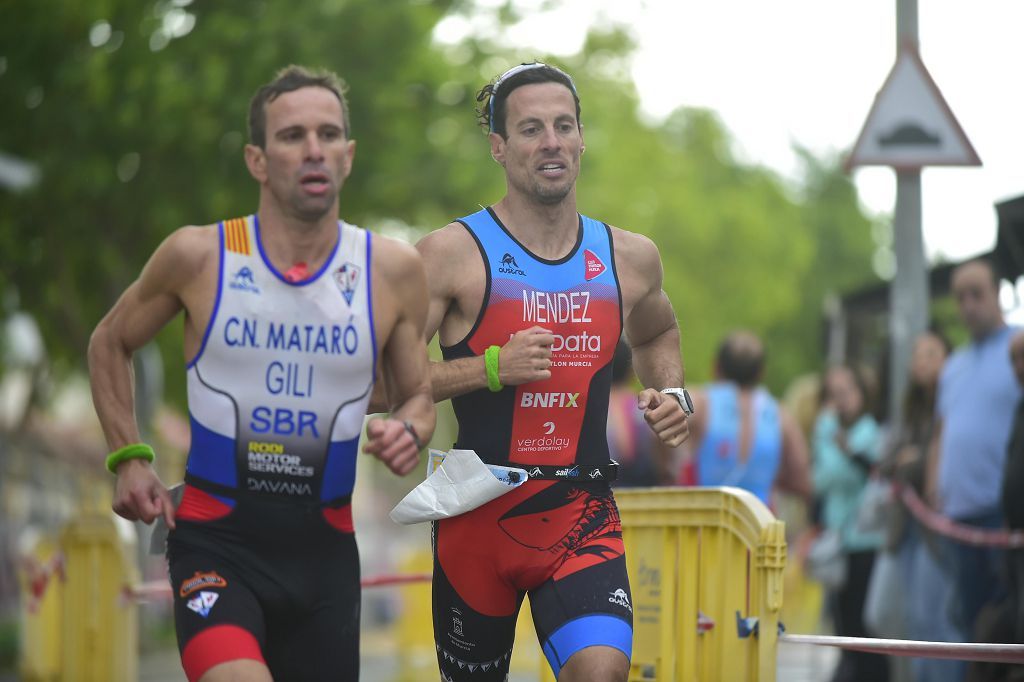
<point x="644" y="460"/>
<point x="741" y="436"/>
<point x="925" y="581"/>
<point x="976" y="399"/>
<point x="846" y="449"/>
<point x="1013" y="491"/>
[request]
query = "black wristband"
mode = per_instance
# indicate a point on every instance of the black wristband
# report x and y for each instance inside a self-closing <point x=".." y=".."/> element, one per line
<point x="412" y="432"/>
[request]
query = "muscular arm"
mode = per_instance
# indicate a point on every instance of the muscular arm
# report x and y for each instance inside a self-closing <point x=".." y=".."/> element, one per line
<point x="794" y="475"/>
<point x="144" y="308"/>
<point x="404" y="361"/>
<point x="455" y="289"/>
<point x="650" y="323"/>
<point x="653" y="334"/>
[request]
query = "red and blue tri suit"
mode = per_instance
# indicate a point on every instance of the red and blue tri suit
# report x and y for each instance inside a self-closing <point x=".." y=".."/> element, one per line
<point x="559" y="541"/>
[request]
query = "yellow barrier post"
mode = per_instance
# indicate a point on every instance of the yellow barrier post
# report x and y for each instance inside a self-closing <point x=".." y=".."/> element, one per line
<point x="99" y="624"/>
<point x="42" y="587"/>
<point x="714" y="554"/>
<point x="415" y="626"/>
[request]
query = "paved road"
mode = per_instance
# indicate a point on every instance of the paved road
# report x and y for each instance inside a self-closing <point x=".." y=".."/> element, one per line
<point x="797" y="663"/>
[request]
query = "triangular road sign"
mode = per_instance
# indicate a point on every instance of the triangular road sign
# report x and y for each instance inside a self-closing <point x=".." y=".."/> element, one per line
<point x="910" y="125"/>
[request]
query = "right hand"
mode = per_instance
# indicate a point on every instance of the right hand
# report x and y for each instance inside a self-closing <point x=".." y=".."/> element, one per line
<point x="526" y="357"/>
<point x="139" y="495"/>
<point x="390" y="442"/>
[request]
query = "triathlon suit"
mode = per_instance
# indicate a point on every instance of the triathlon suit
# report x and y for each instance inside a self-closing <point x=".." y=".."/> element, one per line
<point x="263" y="562"/>
<point x="718" y="460"/>
<point x="560" y="541"/>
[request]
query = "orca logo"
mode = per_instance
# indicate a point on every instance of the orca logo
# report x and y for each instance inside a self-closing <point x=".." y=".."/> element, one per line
<point x="509" y="266"/>
<point x="549" y="428"/>
<point x="243" y="280"/>
<point x="620" y="597"/>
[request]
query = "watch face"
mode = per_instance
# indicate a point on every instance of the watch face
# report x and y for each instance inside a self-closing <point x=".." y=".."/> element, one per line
<point x="683" y="396"/>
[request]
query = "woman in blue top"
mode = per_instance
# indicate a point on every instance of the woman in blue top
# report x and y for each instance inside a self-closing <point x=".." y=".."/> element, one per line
<point x="846" y="448"/>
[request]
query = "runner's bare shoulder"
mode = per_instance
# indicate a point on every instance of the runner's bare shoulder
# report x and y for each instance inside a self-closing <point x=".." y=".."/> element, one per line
<point x="395" y="258"/>
<point x="635" y="251"/>
<point x="452" y="258"/>
<point x="186" y="254"/>
<point x="451" y="241"/>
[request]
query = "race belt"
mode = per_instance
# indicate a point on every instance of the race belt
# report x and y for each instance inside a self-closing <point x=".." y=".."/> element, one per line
<point x="575" y="472"/>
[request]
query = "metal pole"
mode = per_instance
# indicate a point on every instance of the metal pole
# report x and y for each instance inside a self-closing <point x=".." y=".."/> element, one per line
<point x="908" y="293"/>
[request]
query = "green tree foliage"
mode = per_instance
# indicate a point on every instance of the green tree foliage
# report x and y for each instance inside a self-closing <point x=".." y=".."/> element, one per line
<point x="136" y="112"/>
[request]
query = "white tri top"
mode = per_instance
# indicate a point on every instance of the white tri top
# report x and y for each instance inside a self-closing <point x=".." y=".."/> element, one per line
<point x="279" y="389"/>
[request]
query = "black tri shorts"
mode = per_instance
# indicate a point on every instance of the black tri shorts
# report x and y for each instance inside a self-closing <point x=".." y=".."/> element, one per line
<point x="265" y="580"/>
<point x="557" y="542"/>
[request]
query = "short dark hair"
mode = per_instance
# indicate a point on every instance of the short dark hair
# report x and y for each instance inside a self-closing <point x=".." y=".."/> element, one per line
<point x="492" y="97"/>
<point x="986" y="262"/>
<point x="289" y="79"/>
<point x="741" y="358"/>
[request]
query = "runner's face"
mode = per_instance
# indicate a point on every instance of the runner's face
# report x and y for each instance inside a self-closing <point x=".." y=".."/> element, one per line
<point x="307" y="156"/>
<point x="542" y="153"/>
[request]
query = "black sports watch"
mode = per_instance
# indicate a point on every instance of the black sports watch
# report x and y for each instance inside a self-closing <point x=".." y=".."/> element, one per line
<point x="682" y="396"/>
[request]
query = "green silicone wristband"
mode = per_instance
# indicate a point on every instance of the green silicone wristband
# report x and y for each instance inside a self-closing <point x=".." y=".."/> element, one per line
<point x="491" y="363"/>
<point x="133" y="451"/>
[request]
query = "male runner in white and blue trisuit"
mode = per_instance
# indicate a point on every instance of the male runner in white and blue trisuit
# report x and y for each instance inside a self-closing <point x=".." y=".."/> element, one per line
<point x="289" y="314"/>
<point x="529" y="299"/>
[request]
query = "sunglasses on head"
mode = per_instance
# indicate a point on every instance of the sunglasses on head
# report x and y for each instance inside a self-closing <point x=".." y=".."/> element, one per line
<point x="519" y="69"/>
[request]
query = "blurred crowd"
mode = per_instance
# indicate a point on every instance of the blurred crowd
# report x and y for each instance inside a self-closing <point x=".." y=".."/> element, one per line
<point x="890" y="503"/>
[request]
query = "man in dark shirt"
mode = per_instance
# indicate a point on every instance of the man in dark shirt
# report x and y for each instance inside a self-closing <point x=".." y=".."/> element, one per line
<point x="1013" y="489"/>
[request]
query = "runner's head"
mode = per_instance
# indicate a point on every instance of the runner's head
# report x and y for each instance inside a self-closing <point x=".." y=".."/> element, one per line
<point x="493" y="96"/>
<point x="289" y="79"/>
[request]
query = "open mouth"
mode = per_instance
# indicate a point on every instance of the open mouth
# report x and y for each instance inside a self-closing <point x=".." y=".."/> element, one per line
<point x="552" y="168"/>
<point x="315" y="183"/>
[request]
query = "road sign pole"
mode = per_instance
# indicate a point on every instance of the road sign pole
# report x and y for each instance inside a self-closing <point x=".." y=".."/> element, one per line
<point x="908" y="293"/>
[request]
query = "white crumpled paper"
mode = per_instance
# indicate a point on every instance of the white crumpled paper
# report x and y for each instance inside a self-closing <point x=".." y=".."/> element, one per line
<point x="460" y="484"/>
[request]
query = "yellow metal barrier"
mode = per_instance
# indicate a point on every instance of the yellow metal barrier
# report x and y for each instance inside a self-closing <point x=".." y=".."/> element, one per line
<point x="99" y="626"/>
<point x="41" y="598"/>
<point x="692" y="553"/>
<point x="702" y="555"/>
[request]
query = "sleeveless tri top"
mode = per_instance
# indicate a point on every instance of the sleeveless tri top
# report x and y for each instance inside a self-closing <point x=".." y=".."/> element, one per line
<point x="718" y="459"/>
<point x="561" y="420"/>
<point x="278" y="391"/>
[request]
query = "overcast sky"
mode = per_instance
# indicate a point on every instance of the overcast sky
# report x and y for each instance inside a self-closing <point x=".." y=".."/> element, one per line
<point x="807" y="71"/>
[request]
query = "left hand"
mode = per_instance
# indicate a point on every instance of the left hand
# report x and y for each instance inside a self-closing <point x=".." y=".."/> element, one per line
<point x="390" y="442"/>
<point x="665" y="416"/>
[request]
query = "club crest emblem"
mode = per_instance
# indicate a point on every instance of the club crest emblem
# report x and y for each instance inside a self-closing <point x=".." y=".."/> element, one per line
<point x="347" y="279"/>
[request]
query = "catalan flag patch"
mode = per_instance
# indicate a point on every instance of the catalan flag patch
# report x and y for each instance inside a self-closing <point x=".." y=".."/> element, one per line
<point x="236" y="236"/>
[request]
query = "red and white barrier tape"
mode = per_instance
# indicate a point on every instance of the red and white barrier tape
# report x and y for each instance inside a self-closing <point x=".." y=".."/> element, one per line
<point x="991" y="653"/>
<point x="969" y="535"/>
<point x="39" y="576"/>
<point x="160" y="589"/>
